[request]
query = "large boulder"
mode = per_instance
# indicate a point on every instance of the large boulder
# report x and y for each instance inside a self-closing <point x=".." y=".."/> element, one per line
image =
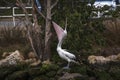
<point x="97" y="59"/>
<point x="92" y="59"/>
<point x="13" y="59"/>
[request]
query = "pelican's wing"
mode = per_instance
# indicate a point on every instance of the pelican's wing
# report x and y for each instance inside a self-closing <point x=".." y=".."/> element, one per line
<point x="68" y="54"/>
<point x="59" y="31"/>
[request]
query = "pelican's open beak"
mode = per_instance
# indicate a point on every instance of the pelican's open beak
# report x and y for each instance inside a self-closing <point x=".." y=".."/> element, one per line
<point x="59" y="31"/>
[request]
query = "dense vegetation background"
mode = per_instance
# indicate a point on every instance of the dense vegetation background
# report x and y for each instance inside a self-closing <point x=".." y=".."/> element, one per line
<point x="86" y="36"/>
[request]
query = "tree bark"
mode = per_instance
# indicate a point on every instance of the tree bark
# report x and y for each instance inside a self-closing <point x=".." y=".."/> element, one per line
<point x="47" y="50"/>
<point x="37" y="32"/>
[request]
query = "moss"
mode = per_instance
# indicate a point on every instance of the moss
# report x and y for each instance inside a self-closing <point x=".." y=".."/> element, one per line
<point x="43" y="77"/>
<point x="52" y="79"/>
<point x="79" y="69"/>
<point x="55" y="57"/>
<point x="37" y="78"/>
<point x="54" y="67"/>
<point x="115" y="73"/>
<point x="51" y="74"/>
<point x="43" y="70"/>
<point x="102" y="75"/>
<point x="34" y="72"/>
<point x="116" y="76"/>
<point x="49" y="67"/>
<point x="6" y="70"/>
<point x="19" y="75"/>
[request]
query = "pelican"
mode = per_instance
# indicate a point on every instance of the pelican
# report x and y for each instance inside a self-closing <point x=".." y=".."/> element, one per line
<point x="63" y="53"/>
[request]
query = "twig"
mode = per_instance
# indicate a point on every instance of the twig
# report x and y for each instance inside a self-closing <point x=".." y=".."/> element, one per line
<point x="54" y="4"/>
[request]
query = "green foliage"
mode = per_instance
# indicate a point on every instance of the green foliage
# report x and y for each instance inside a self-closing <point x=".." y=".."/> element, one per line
<point x="84" y="33"/>
<point x="114" y="72"/>
<point x="5" y="71"/>
<point x="5" y="12"/>
<point x="48" y="67"/>
<point x="102" y="75"/>
<point x="82" y="69"/>
<point x="18" y="75"/>
<point x="51" y="74"/>
<point x="7" y="3"/>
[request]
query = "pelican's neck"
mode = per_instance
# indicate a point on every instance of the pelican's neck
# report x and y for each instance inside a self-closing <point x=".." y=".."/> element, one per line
<point x="60" y="43"/>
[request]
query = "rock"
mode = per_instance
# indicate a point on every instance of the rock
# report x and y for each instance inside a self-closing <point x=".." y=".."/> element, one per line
<point x="5" y="54"/>
<point x="31" y="55"/>
<point x="13" y="59"/>
<point x="118" y="57"/>
<point x="35" y="63"/>
<point x="97" y="59"/>
<point x="47" y="62"/>
<point x="102" y="60"/>
<point x="112" y="57"/>
<point x="69" y="76"/>
<point x="32" y="59"/>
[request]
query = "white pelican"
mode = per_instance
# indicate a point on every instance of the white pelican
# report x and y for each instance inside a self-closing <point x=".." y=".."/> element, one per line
<point x="61" y="34"/>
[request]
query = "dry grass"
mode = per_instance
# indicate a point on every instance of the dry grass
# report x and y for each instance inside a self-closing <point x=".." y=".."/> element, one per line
<point x="13" y="38"/>
<point x="112" y="37"/>
<point x="112" y="33"/>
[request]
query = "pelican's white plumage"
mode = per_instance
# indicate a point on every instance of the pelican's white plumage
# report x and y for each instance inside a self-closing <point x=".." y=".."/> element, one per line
<point x="64" y="54"/>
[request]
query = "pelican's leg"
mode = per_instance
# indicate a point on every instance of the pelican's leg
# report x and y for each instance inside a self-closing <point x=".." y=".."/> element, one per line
<point x="67" y="67"/>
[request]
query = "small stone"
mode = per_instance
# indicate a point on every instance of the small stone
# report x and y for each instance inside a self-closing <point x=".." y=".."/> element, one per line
<point x="31" y="55"/>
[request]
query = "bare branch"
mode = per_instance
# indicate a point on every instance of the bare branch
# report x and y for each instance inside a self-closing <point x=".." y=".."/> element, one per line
<point x="31" y="42"/>
<point x="53" y="13"/>
<point x="29" y="26"/>
<point x="52" y="6"/>
<point x="20" y="4"/>
<point x="40" y="12"/>
<point x="34" y="15"/>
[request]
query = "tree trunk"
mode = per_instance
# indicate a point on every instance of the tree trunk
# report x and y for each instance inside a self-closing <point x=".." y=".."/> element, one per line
<point x="47" y="50"/>
<point x="36" y="37"/>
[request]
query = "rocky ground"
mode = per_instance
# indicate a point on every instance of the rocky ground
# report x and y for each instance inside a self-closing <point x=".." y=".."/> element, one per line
<point x="15" y="67"/>
<point x="41" y="72"/>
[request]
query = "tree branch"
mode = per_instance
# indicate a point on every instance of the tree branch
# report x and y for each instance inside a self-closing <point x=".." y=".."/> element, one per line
<point x="20" y="4"/>
<point x="29" y="25"/>
<point x="52" y="6"/>
<point x="40" y="12"/>
<point x="53" y="13"/>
